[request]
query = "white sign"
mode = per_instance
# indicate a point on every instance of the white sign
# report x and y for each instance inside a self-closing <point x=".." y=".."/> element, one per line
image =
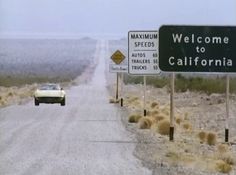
<point x="143" y="53"/>
<point x="113" y="68"/>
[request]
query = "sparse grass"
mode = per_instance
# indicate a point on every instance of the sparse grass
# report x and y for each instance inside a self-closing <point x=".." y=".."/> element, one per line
<point x="155" y="112"/>
<point x="154" y="105"/>
<point x="160" y="117"/>
<point x="182" y="83"/>
<point x="134" y="118"/>
<point x="12" y="80"/>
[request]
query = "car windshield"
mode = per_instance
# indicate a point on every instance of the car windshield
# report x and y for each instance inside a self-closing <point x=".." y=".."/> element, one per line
<point x="50" y="87"/>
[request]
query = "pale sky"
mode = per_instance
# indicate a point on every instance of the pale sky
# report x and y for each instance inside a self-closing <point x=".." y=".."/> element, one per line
<point x="104" y="17"/>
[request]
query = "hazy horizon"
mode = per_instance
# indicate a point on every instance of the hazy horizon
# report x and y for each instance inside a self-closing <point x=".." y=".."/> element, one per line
<point x="106" y="18"/>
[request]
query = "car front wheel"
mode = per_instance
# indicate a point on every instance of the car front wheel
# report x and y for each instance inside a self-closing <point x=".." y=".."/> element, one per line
<point x="63" y="102"/>
<point x="36" y="102"/>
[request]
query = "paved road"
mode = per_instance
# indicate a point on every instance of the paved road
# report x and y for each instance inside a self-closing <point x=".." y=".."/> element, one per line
<point x="86" y="137"/>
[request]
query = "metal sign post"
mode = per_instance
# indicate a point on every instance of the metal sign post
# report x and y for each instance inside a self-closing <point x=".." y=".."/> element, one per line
<point x="144" y="96"/>
<point x="121" y="89"/>
<point x="172" y="106"/>
<point x="117" y="86"/>
<point x="227" y="110"/>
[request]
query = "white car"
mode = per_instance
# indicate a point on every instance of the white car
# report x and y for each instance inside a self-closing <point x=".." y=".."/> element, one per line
<point x="50" y="93"/>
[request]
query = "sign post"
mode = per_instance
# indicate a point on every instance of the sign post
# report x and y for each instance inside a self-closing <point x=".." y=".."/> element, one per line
<point x="117" y="67"/>
<point x="121" y="89"/>
<point x="117" y="86"/>
<point x="198" y="49"/>
<point x="227" y="110"/>
<point x="144" y="96"/>
<point x="172" y="115"/>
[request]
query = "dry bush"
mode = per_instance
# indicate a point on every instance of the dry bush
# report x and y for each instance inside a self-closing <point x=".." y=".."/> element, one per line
<point x="154" y="127"/>
<point x="145" y="123"/>
<point x="160" y="117"/>
<point x="155" y="112"/>
<point x="134" y="118"/>
<point x="3" y="102"/>
<point x="166" y="111"/>
<point x="133" y="99"/>
<point x="187" y="126"/>
<point x="202" y="136"/>
<point x="178" y="120"/>
<point x="223" y="167"/>
<point x="228" y="158"/>
<point x="152" y="119"/>
<point x="222" y="148"/>
<point x="164" y="127"/>
<point x="211" y="138"/>
<point x="154" y="105"/>
<point x="10" y="94"/>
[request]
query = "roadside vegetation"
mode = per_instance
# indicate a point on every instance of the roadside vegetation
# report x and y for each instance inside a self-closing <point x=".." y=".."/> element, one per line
<point x="28" y="61"/>
<point x="13" y="80"/>
<point x="208" y="85"/>
<point x="193" y="148"/>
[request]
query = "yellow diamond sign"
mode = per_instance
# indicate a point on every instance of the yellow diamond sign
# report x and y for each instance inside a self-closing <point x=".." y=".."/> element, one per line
<point x="117" y="57"/>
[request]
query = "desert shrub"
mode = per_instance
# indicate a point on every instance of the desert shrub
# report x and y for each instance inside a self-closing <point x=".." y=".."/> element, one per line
<point x="187" y="125"/>
<point x="202" y="136"/>
<point x="165" y="110"/>
<point x="10" y="94"/>
<point x="155" y="112"/>
<point x="154" y="105"/>
<point x="145" y="123"/>
<point x="211" y="138"/>
<point x="222" y="148"/>
<point x="223" y="167"/>
<point x="164" y="127"/>
<point x="228" y="158"/>
<point x="178" y="120"/>
<point x="160" y="117"/>
<point x="183" y="83"/>
<point x="134" y="118"/>
<point x="3" y="102"/>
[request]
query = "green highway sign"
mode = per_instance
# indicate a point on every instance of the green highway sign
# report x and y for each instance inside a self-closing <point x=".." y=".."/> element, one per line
<point x="197" y="48"/>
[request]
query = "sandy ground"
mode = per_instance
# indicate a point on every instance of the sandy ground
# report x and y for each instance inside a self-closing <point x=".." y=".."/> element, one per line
<point x="84" y="137"/>
<point x="186" y="155"/>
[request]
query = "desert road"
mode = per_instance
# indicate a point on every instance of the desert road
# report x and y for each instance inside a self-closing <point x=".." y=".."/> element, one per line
<point x="86" y="137"/>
